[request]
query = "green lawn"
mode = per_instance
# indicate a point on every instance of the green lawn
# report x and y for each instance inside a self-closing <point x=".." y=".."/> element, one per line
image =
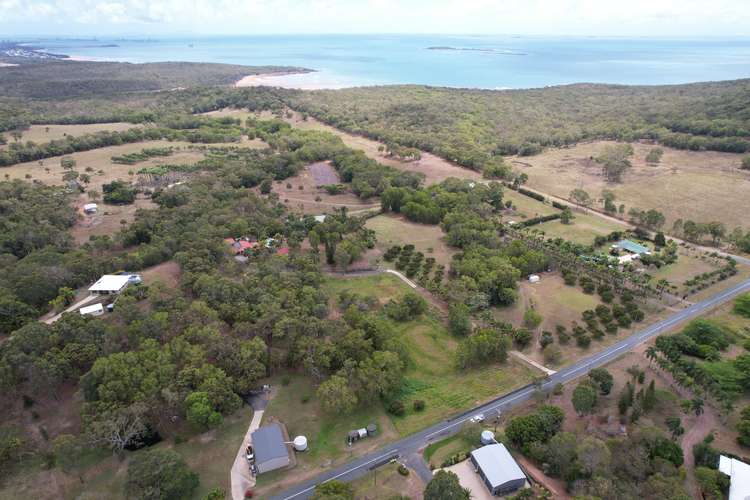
<point x="583" y="229"/>
<point x="436" y="453"/>
<point x="396" y="230"/>
<point x="386" y="482"/>
<point x="526" y="207"/>
<point x="431" y="375"/>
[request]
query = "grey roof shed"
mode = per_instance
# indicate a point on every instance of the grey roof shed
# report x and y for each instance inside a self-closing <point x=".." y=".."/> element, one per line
<point x="271" y="452"/>
<point x="500" y="472"/>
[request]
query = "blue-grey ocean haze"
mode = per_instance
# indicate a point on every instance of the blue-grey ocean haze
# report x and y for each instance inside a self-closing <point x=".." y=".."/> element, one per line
<point x="446" y="60"/>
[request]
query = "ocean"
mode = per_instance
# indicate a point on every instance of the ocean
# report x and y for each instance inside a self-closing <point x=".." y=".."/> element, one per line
<point x="492" y="62"/>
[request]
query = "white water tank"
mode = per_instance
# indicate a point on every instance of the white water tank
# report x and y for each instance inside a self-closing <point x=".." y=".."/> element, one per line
<point x="488" y="437"/>
<point x="300" y="443"/>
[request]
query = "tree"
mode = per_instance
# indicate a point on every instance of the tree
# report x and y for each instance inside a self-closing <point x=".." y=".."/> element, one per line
<point x="581" y="197"/>
<point x="444" y="485"/>
<point x="336" y="396"/>
<point x="696" y="405"/>
<point x="119" y="427"/>
<point x="660" y="240"/>
<point x="459" y="321"/>
<point x="654" y="155"/>
<point x="265" y="186"/>
<point x="200" y="411"/>
<point x="710" y="482"/>
<point x="603" y="379"/>
<point x="566" y="216"/>
<point x="584" y="398"/>
<point x="160" y="474"/>
<point x="745" y="163"/>
<point x="674" y="424"/>
<point x="615" y="160"/>
<point x="532" y="318"/>
<point x="593" y="456"/>
<point x="649" y="397"/>
<point x="333" y="490"/>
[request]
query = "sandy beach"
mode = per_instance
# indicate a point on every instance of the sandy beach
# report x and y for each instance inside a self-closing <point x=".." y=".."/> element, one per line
<point x="303" y="81"/>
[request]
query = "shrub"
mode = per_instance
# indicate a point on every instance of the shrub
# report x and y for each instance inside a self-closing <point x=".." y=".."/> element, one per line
<point x="396" y="408"/>
<point x="419" y="405"/>
<point x="403" y="470"/>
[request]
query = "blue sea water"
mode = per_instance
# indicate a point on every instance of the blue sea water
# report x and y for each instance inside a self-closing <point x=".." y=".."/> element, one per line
<point x="493" y="61"/>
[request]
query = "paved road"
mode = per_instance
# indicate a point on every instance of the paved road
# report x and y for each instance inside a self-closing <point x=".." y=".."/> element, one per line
<point x="409" y="445"/>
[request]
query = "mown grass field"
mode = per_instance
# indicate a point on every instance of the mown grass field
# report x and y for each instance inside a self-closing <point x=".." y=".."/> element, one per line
<point x="396" y="230"/>
<point x="583" y="228"/>
<point x="431" y="374"/>
<point x="386" y="482"/>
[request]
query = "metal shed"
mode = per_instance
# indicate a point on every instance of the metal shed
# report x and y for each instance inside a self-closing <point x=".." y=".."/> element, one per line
<point x="499" y="471"/>
<point x="271" y="451"/>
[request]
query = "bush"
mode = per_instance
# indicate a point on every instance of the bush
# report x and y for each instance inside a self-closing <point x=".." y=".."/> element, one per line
<point x="397" y="408"/>
<point x="118" y="193"/>
<point x="419" y="405"/>
<point x="742" y="305"/>
<point x="403" y="470"/>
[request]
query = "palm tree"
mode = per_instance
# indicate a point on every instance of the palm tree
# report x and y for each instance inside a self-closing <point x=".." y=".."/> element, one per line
<point x="697" y="406"/>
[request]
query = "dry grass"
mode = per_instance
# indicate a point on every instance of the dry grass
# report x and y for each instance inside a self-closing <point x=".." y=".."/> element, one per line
<point x="702" y="186"/>
<point x="49" y="132"/>
<point x="312" y="200"/>
<point x="396" y="230"/>
<point x="386" y="482"/>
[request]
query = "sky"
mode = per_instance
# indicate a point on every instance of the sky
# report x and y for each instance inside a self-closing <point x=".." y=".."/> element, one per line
<point x="684" y="18"/>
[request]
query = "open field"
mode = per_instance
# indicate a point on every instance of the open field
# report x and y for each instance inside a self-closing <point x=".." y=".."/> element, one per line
<point x="296" y="406"/>
<point x="386" y="482"/>
<point x="396" y="230"/>
<point x="583" y="228"/>
<point x="431" y="375"/>
<point x="46" y="133"/>
<point x="312" y="200"/>
<point x="699" y="185"/>
<point x="689" y="264"/>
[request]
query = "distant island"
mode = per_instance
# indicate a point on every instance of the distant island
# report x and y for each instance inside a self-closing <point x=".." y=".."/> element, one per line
<point x="504" y="52"/>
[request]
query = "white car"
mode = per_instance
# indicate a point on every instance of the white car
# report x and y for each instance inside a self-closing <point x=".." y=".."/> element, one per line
<point x="476" y="419"/>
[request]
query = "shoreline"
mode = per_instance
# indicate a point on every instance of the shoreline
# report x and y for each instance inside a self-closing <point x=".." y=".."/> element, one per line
<point x="299" y="80"/>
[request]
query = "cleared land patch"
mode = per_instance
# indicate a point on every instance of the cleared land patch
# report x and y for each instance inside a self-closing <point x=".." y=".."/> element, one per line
<point x="51" y="132"/>
<point x="393" y="230"/>
<point x="302" y="193"/>
<point x="702" y="186"/>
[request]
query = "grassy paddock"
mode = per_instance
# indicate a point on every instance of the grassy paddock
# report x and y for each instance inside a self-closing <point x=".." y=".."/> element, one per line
<point x="431" y="374"/>
<point x="428" y="239"/>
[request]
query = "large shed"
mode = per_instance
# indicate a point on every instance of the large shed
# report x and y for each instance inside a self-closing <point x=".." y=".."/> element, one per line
<point x="632" y="247"/>
<point x="271" y="452"/>
<point x="499" y="471"/>
<point x="110" y="284"/>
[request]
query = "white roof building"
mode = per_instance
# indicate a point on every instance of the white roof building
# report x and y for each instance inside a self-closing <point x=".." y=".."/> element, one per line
<point x="110" y="283"/>
<point x="499" y="471"/>
<point x="739" y="475"/>
<point x="90" y="207"/>
<point x="92" y="310"/>
<point x="320" y="218"/>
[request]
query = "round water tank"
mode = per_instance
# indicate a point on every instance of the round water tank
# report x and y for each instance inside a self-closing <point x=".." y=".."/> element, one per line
<point x="488" y="437"/>
<point x="300" y="443"/>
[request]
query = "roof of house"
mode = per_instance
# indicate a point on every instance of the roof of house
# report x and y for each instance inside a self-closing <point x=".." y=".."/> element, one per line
<point x="268" y="443"/>
<point x="245" y="245"/>
<point x="632" y="246"/>
<point x="90" y="206"/>
<point x="497" y="464"/>
<point x="739" y="473"/>
<point x="91" y="309"/>
<point x="283" y="251"/>
<point x="110" y="282"/>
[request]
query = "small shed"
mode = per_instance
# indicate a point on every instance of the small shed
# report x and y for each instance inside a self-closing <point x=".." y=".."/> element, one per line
<point x="534" y="278"/>
<point x="271" y="451"/>
<point x="372" y="429"/>
<point x="499" y="471"/>
<point x="92" y="310"/>
<point x="320" y="218"/>
<point x="90" y="208"/>
<point x="110" y="284"/>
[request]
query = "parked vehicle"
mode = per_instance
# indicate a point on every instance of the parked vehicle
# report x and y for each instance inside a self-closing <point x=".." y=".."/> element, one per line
<point x="478" y="418"/>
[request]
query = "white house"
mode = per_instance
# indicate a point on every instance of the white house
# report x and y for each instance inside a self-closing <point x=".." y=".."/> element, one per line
<point x="92" y="310"/>
<point x="739" y="476"/>
<point x="110" y="284"/>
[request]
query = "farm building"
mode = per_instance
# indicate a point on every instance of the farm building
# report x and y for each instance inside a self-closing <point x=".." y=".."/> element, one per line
<point x="739" y="477"/>
<point x="631" y="247"/>
<point x="239" y="246"/>
<point x="271" y="451"/>
<point x="110" y="284"/>
<point x="90" y="208"/>
<point x="320" y="218"/>
<point x="92" y="310"/>
<point x="499" y="471"/>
